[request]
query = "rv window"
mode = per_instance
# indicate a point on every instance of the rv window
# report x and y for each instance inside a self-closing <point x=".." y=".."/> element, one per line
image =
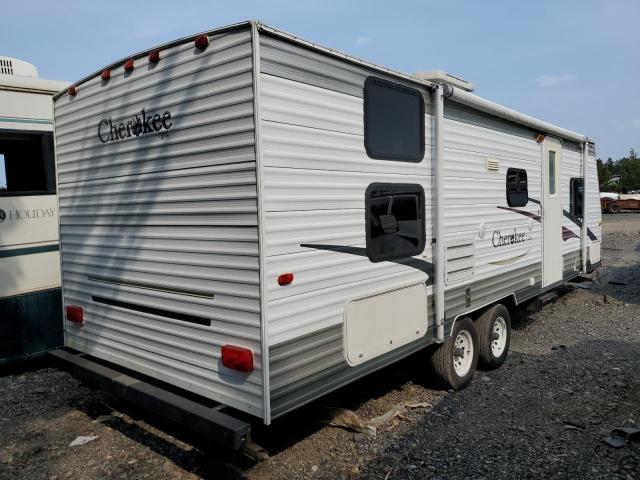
<point x="395" y="221"/>
<point x="3" y="174"/>
<point x="576" y="194"/>
<point x="393" y="121"/>
<point x="26" y="164"/>
<point x="552" y="172"/>
<point x="517" y="188"/>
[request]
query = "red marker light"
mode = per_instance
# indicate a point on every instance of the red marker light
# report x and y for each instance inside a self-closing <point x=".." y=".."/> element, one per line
<point x="105" y="75"/>
<point x="128" y="65"/>
<point x="72" y="90"/>
<point x="75" y="314"/>
<point x="285" y="279"/>
<point x="237" y="358"/>
<point x="154" y="57"/>
<point x="202" y="42"/>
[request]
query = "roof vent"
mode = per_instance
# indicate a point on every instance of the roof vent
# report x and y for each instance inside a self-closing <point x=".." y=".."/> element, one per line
<point x="15" y="67"/>
<point x="6" y="67"/>
<point x="442" y="78"/>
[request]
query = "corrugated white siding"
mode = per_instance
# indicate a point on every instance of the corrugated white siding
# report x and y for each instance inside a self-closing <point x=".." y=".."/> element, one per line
<point x="166" y="225"/>
<point x="472" y="197"/>
<point x="593" y="213"/>
<point x="315" y="172"/>
<point x="314" y="192"/>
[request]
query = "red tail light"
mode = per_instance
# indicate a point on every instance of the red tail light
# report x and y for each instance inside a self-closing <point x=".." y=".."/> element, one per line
<point x="105" y="75"/>
<point x="237" y="358"/>
<point x="154" y="57"/>
<point x="75" y="314"/>
<point x="202" y="42"/>
<point x="128" y="65"/>
<point x="72" y="90"/>
<point x="285" y="279"/>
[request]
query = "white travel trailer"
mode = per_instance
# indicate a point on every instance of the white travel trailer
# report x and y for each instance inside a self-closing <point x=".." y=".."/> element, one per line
<point x="30" y="318"/>
<point x="259" y="220"/>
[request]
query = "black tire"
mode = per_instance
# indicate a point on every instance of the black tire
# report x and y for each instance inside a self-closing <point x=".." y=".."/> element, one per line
<point x="613" y="208"/>
<point x="486" y="324"/>
<point x="443" y="357"/>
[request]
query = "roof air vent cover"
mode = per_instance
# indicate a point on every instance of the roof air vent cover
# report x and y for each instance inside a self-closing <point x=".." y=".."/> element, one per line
<point x="442" y="78"/>
<point x="18" y="68"/>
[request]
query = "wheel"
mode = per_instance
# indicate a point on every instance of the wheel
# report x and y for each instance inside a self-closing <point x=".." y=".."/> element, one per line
<point x="455" y="361"/>
<point x="613" y="208"/>
<point x="494" y="334"/>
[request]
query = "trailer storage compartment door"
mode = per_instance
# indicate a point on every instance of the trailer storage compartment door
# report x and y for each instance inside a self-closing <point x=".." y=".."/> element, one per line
<point x="159" y="241"/>
<point x="407" y="306"/>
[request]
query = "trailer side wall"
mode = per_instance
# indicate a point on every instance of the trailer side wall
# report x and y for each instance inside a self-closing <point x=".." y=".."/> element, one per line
<point x="315" y="174"/>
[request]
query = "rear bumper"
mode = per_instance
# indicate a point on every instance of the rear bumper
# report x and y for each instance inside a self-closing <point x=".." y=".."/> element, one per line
<point x="208" y="422"/>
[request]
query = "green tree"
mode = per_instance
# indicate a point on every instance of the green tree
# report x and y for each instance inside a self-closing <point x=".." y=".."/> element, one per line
<point x="603" y="173"/>
<point x="629" y="171"/>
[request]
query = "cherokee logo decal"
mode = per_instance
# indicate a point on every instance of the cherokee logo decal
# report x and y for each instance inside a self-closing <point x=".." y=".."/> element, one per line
<point x="566" y="233"/>
<point x="500" y="239"/>
<point x="140" y="124"/>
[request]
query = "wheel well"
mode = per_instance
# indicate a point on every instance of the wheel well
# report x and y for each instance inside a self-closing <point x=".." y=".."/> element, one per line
<point x="509" y="301"/>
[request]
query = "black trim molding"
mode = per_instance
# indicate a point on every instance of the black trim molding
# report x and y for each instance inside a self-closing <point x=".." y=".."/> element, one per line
<point x="17" y="252"/>
<point x="153" y="311"/>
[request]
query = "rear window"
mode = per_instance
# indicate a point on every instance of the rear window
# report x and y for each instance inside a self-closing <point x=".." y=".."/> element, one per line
<point x="393" y="121"/>
<point x="26" y="164"/>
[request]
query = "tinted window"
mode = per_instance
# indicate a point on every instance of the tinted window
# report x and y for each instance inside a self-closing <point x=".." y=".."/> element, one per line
<point x="3" y="173"/>
<point x="552" y="172"/>
<point x="576" y="196"/>
<point x="517" y="187"/>
<point x="393" y="121"/>
<point x="395" y="221"/>
<point x="26" y="164"/>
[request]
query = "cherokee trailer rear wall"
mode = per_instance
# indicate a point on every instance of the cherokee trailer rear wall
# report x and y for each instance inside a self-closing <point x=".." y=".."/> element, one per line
<point x="253" y="218"/>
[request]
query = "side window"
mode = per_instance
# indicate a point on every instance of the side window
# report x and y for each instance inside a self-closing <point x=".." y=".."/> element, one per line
<point x="517" y="187"/>
<point x="394" y="221"/>
<point x="552" y="172"/>
<point x="3" y="173"/>
<point x="26" y="164"/>
<point x="576" y="195"/>
<point x="393" y="121"/>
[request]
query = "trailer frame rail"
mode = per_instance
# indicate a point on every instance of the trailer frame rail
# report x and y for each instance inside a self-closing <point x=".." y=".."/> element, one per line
<point x="209" y="422"/>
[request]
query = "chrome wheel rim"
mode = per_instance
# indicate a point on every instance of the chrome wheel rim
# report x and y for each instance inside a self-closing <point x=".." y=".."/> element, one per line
<point x="498" y="337"/>
<point x="463" y="353"/>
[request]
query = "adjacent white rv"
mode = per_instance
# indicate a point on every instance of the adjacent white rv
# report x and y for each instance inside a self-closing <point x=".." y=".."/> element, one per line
<point x="29" y="259"/>
<point x="259" y="220"/>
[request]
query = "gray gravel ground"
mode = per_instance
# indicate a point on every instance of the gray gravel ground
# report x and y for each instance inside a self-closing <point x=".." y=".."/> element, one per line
<point x="573" y="373"/>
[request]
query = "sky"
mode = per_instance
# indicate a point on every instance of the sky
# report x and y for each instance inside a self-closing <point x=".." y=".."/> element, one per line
<point x="573" y="63"/>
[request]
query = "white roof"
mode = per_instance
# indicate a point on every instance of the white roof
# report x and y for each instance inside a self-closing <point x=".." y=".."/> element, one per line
<point x="457" y="94"/>
<point x="30" y="84"/>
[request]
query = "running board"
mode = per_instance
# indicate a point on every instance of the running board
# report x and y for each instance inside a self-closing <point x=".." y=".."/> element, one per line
<point x="210" y="423"/>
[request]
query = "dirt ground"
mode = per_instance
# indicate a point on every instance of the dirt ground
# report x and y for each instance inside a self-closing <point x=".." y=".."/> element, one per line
<point x="572" y="375"/>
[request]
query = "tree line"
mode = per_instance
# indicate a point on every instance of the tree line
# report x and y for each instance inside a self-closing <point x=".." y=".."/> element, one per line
<point x="620" y="176"/>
